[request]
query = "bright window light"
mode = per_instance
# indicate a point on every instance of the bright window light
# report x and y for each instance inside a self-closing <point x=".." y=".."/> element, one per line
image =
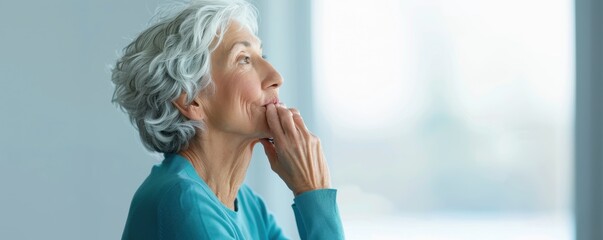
<point x="448" y="119"/>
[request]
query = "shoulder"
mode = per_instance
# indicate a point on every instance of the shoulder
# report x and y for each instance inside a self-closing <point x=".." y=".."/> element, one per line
<point x="165" y="186"/>
<point x="174" y="207"/>
<point x="179" y="188"/>
<point x="187" y="211"/>
<point x="173" y="192"/>
<point x="173" y="185"/>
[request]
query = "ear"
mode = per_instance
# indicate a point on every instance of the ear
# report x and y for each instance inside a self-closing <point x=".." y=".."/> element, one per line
<point x="192" y="111"/>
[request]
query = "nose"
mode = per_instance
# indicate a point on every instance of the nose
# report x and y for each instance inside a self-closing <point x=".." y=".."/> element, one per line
<point x="272" y="78"/>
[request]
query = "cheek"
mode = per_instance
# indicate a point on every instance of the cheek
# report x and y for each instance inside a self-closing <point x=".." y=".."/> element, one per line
<point x="247" y="89"/>
<point x="241" y="101"/>
<point x="250" y="94"/>
<point x="250" y="100"/>
<point x="242" y="97"/>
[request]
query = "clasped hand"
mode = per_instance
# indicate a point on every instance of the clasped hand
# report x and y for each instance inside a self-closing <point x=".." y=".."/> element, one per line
<point x="296" y="154"/>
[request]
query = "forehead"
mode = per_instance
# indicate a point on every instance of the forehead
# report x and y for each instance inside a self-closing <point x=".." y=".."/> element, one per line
<point x="237" y="33"/>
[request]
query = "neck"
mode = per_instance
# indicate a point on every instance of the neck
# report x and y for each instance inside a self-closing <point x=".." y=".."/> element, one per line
<point x="221" y="160"/>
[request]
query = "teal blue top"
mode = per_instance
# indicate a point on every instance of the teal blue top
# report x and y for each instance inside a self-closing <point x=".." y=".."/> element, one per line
<point x="175" y="203"/>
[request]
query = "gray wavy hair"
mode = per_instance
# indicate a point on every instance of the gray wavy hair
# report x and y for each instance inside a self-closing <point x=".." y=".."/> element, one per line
<point x="169" y="58"/>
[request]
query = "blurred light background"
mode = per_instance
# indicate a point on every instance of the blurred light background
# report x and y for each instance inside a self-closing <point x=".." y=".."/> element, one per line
<point x="440" y="119"/>
<point x="448" y="119"/>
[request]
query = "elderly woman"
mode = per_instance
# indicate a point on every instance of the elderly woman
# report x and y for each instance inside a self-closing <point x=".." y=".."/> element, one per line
<point x="198" y="90"/>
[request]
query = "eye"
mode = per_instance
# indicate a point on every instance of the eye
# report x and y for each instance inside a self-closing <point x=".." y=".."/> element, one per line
<point x="265" y="56"/>
<point x="245" y="60"/>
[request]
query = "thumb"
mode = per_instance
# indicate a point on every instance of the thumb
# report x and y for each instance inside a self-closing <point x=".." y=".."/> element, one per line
<point x="270" y="150"/>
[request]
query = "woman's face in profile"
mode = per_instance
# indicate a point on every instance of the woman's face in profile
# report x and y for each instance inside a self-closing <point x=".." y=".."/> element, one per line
<point x="244" y="83"/>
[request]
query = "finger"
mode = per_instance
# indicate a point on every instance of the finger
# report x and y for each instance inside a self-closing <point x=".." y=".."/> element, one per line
<point x="286" y="121"/>
<point x="273" y="122"/>
<point x="294" y="111"/>
<point x="270" y="150"/>
<point x="298" y="120"/>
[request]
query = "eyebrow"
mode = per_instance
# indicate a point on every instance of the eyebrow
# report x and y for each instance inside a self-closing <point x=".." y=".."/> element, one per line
<point x="244" y="43"/>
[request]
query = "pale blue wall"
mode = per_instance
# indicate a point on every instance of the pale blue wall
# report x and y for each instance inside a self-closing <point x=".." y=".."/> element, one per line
<point x="70" y="161"/>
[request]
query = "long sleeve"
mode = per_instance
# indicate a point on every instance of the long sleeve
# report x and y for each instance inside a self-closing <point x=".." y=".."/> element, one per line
<point x="317" y="215"/>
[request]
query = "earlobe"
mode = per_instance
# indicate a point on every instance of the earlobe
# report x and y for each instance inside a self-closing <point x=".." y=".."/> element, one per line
<point x="192" y="111"/>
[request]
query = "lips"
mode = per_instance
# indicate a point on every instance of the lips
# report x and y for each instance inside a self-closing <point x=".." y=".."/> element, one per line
<point x="273" y="100"/>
